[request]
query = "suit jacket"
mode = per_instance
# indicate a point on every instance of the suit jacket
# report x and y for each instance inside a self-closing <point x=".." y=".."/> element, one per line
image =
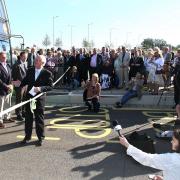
<point x="82" y="64"/>
<point x="29" y="63"/>
<point x="5" y="79"/>
<point x="44" y="81"/>
<point x="126" y="59"/>
<point x="167" y="57"/>
<point x="18" y="71"/>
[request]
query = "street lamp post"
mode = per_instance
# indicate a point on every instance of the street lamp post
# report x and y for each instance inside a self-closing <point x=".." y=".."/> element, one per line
<point x="110" y="35"/>
<point x="88" y="30"/>
<point x="71" y="29"/>
<point x="54" y="17"/>
<point x="127" y="36"/>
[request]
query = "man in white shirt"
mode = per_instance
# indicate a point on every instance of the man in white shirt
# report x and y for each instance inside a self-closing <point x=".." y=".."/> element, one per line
<point x="95" y="63"/>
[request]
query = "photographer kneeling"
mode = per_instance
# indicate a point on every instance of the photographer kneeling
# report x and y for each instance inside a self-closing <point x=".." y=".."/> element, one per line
<point x="169" y="163"/>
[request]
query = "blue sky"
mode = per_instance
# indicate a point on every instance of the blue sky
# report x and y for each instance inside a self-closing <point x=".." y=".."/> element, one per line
<point x="129" y="21"/>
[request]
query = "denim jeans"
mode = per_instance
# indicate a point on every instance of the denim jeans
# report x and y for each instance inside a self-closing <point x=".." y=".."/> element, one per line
<point x="128" y="95"/>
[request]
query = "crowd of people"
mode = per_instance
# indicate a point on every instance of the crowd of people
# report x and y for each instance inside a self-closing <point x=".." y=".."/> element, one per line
<point x="132" y="69"/>
<point x="33" y="72"/>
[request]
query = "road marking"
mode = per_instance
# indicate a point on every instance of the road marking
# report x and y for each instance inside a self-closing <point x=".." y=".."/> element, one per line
<point x="107" y="131"/>
<point x="112" y="141"/>
<point x="66" y="109"/>
<point x="46" y="138"/>
<point x="97" y="124"/>
<point x="141" y="109"/>
<point x="156" y="114"/>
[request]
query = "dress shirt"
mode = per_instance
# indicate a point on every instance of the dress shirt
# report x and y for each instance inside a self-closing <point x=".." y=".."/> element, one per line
<point x="81" y="57"/>
<point x="169" y="163"/>
<point x="37" y="72"/>
<point x="4" y="64"/>
<point x="159" y="62"/>
<point x="93" y="60"/>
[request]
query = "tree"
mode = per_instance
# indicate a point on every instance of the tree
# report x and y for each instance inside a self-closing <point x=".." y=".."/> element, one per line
<point x="91" y="44"/>
<point x="85" y="43"/>
<point x="46" y="42"/>
<point x="160" y="43"/>
<point x="151" y="43"/>
<point x="178" y="46"/>
<point x="148" y="43"/>
<point x="58" y="42"/>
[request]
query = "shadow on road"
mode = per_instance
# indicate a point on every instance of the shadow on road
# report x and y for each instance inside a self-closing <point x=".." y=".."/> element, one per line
<point x="7" y="147"/>
<point x="117" y="164"/>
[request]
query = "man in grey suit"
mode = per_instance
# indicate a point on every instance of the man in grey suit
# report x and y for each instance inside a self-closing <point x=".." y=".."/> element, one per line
<point x="167" y="62"/>
<point x="166" y="55"/>
<point x="124" y="59"/>
<point x="19" y="70"/>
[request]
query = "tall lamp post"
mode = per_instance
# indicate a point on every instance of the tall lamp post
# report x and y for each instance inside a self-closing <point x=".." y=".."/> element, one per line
<point x="54" y="17"/>
<point x="88" y="30"/>
<point x="71" y="29"/>
<point x="127" y="36"/>
<point x="110" y="35"/>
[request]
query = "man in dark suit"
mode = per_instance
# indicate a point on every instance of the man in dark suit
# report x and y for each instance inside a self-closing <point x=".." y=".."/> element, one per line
<point x="19" y="70"/>
<point x="95" y="64"/>
<point x="82" y="65"/>
<point x="38" y="80"/>
<point x="6" y="87"/>
<point x="31" y="58"/>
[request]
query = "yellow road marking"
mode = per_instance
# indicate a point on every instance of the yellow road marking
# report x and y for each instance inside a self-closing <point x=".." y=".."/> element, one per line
<point x="66" y="109"/>
<point x="153" y="114"/>
<point x="112" y="141"/>
<point x="83" y="115"/>
<point x="46" y="138"/>
<point x="102" y="125"/>
<point x="141" y="109"/>
<point x="106" y="133"/>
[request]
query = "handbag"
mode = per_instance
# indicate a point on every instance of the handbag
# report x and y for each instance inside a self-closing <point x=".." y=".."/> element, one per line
<point x="142" y="142"/>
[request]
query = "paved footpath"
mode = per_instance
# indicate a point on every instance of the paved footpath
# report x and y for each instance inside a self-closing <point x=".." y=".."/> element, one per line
<point x="79" y="145"/>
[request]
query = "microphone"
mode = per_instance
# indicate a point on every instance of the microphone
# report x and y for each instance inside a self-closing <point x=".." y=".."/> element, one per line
<point x="117" y="127"/>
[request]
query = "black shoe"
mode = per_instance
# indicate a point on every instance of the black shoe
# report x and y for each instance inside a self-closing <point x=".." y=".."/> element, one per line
<point x="157" y="125"/>
<point x="24" y="141"/>
<point x="39" y="143"/>
<point x="118" y="105"/>
<point x="96" y="110"/>
<point x="23" y="114"/>
<point x="20" y="118"/>
<point x="89" y="106"/>
<point x="177" y="122"/>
